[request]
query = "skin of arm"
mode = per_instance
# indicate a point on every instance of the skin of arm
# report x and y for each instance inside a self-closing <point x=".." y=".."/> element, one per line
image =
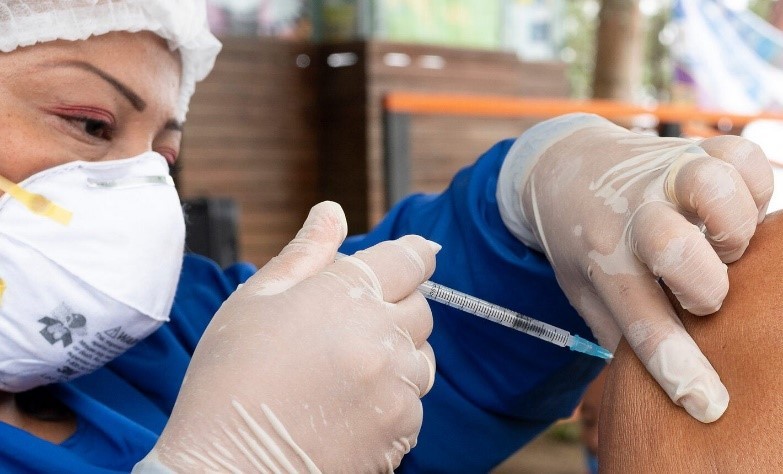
<point x="641" y="430"/>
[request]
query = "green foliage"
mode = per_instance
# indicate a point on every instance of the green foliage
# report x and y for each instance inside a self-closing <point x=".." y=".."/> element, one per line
<point x="581" y="21"/>
<point x="565" y="431"/>
<point x="761" y="8"/>
<point x="658" y="68"/>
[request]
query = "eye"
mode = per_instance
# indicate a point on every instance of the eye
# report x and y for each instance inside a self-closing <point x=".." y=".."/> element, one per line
<point x="170" y="154"/>
<point x="93" y="127"/>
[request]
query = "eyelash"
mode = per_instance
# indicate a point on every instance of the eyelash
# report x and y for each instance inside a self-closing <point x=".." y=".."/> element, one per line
<point x="90" y="125"/>
<point x="99" y="125"/>
<point x="171" y="156"/>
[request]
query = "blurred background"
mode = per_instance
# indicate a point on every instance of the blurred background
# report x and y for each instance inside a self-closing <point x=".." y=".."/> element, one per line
<point x="365" y="101"/>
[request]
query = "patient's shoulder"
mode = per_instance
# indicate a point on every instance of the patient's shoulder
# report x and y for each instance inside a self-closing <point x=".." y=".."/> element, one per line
<point x="643" y="431"/>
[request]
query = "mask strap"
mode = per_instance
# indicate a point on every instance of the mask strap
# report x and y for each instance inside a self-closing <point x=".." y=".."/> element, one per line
<point x="35" y="203"/>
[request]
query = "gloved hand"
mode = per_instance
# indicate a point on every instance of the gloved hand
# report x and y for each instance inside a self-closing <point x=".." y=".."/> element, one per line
<point x="614" y="211"/>
<point x="312" y="364"/>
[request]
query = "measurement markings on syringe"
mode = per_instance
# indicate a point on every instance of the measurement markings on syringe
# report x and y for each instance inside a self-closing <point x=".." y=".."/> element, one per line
<point x="495" y="313"/>
<point x="536" y="328"/>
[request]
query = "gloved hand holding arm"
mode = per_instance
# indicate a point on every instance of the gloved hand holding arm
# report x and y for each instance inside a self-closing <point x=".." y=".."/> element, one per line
<point x="312" y="364"/>
<point x="614" y="211"/>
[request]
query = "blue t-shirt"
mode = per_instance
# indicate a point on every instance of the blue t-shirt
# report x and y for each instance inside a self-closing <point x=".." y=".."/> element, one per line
<point x="495" y="389"/>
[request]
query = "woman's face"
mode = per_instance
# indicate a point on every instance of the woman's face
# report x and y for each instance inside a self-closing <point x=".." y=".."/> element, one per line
<point x="109" y="97"/>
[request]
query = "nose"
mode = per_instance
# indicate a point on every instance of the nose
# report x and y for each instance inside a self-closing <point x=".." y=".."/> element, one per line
<point x="129" y="153"/>
<point x="134" y="141"/>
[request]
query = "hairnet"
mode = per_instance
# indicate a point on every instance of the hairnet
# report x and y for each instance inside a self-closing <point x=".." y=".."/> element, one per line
<point x="183" y="23"/>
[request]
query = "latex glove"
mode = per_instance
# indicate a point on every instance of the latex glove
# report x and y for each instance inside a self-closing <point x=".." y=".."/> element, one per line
<point x="614" y="211"/>
<point x="312" y="364"/>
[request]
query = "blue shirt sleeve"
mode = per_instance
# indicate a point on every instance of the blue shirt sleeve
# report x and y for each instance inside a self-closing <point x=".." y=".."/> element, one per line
<point x="495" y="388"/>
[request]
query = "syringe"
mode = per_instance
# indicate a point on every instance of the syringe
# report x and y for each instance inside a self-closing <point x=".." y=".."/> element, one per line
<point x="512" y="319"/>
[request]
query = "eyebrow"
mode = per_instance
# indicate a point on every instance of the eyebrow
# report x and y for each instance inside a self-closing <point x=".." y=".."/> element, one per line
<point x="137" y="102"/>
<point x="174" y="125"/>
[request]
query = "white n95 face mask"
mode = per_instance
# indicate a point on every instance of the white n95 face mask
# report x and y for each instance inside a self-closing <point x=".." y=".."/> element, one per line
<point x="90" y="255"/>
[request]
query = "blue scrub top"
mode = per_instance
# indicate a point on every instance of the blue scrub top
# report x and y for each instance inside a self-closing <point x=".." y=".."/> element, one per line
<point x="495" y="389"/>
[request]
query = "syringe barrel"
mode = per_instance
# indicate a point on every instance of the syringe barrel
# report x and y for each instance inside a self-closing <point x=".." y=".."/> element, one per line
<point x="498" y="314"/>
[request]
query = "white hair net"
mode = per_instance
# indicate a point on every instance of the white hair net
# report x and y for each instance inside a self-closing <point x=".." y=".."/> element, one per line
<point x="183" y="23"/>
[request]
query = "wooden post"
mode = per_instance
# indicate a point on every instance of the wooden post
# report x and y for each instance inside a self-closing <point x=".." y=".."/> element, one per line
<point x="619" y="50"/>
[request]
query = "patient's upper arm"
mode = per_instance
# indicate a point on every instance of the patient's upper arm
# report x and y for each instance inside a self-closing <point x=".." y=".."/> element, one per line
<point x="641" y="430"/>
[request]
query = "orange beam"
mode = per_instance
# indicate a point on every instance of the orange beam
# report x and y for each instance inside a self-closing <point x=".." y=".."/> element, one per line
<point x="508" y="106"/>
